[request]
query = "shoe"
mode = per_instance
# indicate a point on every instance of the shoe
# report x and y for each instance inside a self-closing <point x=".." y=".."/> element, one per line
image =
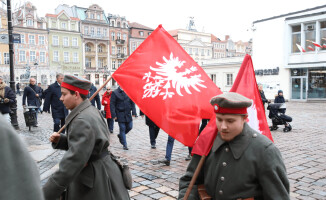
<point x="41" y="111"/>
<point x="164" y="161"/>
<point x="153" y="146"/>
<point x="120" y="140"/>
<point x="188" y="157"/>
<point x="125" y="148"/>
<point x="35" y="125"/>
<point x="111" y="131"/>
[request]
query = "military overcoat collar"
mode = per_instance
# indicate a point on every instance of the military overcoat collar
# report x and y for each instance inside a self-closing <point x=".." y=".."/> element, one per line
<point x="238" y="145"/>
<point x="82" y="106"/>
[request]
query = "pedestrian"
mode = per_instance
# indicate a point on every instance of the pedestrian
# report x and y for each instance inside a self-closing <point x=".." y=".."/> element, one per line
<point x="20" y="178"/>
<point x="96" y="99"/>
<point x="42" y="97"/>
<point x="262" y="95"/>
<point x="86" y="170"/>
<point x="33" y="94"/>
<point x="7" y="98"/>
<point x="106" y="99"/>
<point x="18" y="88"/>
<point x="168" y="152"/>
<point x="242" y="163"/>
<point x="280" y="99"/>
<point x="52" y="99"/>
<point x="153" y="130"/>
<point x="121" y="108"/>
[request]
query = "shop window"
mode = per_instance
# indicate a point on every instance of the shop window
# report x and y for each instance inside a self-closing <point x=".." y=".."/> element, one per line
<point x="317" y="83"/>
<point x="310" y="35"/>
<point x="97" y="79"/>
<point x="323" y="35"/>
<point x="296" y="38"/>
<point x="229" y="79"/>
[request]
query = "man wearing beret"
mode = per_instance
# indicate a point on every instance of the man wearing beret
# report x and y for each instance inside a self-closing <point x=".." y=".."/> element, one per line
<point x="242" y="163"/>
<point x="86" y="171"/>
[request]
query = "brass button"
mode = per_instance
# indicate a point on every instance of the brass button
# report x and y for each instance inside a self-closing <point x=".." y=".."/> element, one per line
<point x="220" y="192"/>
<point x="224" y="164"/>
<point x="222" y="178"/>
<point x="227" y="149"/>
<point x="254" y="135"/>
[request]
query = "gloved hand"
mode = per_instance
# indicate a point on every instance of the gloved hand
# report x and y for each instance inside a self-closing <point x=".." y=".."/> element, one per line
<point x="6" y="100"/>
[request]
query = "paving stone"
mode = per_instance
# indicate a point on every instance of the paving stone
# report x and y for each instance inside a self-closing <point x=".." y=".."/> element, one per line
<point x="148" y="192"/>
<point x="157" y="196"/>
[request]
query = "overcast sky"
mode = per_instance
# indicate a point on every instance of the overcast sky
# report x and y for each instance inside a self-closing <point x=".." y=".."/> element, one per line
<point x="227" y="17"/>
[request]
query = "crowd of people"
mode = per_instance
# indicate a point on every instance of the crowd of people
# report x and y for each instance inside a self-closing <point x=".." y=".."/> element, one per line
<point x="88" y="170"/>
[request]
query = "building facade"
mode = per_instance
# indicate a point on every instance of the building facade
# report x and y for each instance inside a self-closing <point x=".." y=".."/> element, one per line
<point x="65" y="44"/>
<point x="31" y="57"/>
<point x="280" y="64"/>
<point x="4" y="47"/>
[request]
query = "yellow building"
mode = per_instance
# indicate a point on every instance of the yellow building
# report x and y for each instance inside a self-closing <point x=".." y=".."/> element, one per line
<point x="4" y="47"/>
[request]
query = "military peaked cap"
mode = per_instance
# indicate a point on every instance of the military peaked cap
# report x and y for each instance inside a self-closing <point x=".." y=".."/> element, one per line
<point x="231" y="103"/>
<point x="76" y="83"/>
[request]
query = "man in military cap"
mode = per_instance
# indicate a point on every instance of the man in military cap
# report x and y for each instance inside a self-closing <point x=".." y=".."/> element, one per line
<point x="242" y="163"/>
<point x="86" y="171"/>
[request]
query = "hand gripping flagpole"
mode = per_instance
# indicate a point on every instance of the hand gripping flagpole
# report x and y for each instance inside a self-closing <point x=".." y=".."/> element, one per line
<point x="194" y="177"/>
<point x="92" y="97"/>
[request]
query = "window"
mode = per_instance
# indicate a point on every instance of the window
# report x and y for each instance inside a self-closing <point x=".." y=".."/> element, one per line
<point x="310" y="35"/>
<point x="98" y="16"/>
<point x="141" y="33"/>
<point x="190" y="51"/>
<point x="22" y="56"/>
<point x="208" y="52"/>
<point x="119" y="49"/>
<point x="118" y="36"/>
<point x="133" y="48"/>
<point x="98" y="31"/>
<point x="88" y="62"/>
<point x="113" y="50"/>
<point x="119" y="63"/>
<point x="124" y="36"/>
<point x="55" y="56"/>
<point x="32" y="56"/>
<point x="92" y="31"/>
<point x="54" y="24"/>
<point x="29" y="22"/>
<point x="100" y="63"/>
<point x="105" y="31"/>
<point x="202" y="52"/>
<point x="87" y="48"/>
<point x="22" y="38"/>
<point x="41" y="40"/>
<point x="113" y="64"/>
<point x="196" y="51"/>
<point x="213" y="77"/>
<point x="6" y="58"/>
<point x="100" y="48"/>
<point x="42" y="57"/>
<point x="112" y="23"/>
<point x="97" y="79"/>
<point x="149" y="33"/>
<point x="31" y="39"/>
<point x="55" y="40"/>
<point x="75" y="57"/>
<point x="66" y="57"/>
<point x="323" y="35"/>
<point x="63" y="25"/>
<point x="65" y="41"/>
<point x="74" y="42"/>
<point x="125" y="50"/>
<point x="73" y="27"/>
<point x="296" y="38"/>
<point x="92" y="16"/>
<point x="86" y="30"/>
<point x="229" y="79"/>
<point x="112" y="35"/>
<point x="118" y="24"/>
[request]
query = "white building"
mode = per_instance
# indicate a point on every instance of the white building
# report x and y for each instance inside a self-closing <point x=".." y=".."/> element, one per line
<point x="278" y="62"/>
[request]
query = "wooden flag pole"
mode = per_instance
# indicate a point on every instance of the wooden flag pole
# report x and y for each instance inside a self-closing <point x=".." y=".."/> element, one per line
<point x="92" y="97"/>
<point x="194" y="178"/>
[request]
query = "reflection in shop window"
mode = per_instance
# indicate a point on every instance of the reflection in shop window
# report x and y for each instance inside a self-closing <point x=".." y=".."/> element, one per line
<point x="317" y="83"/>
<point x="323" y="35"/>
<point x="310" y="35"/>
<point x="296" y="38"/>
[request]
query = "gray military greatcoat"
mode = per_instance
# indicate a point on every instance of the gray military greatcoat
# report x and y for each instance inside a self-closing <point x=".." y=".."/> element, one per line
<point x="80" y="173"/>
<point x="248" y="166"/>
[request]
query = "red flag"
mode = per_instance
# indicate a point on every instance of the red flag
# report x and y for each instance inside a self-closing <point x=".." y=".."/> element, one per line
<point x="300" y="48"/>
<point x="168" y="86"/>
<point x="316" y="44"/>
<point x="311" y="48"/>
<point x="246" y="85"/>
<point x="206" y="139"/>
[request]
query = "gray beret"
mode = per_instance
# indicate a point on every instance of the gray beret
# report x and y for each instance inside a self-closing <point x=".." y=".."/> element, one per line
<point x="230" y="102"/>
<point x="76" y="83"/>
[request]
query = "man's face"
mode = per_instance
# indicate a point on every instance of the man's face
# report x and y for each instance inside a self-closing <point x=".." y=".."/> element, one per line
<point x="60" y="79"/>
<point x="32" y="81"/>
<point x="68" y="99"/>
<point x="229" y="125"/>
<point x="260" y="87"/>
<point x="39" y="84"/>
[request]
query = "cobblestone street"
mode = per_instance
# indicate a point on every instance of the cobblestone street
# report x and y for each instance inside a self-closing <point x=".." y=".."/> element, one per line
<point x="303" y="150"/>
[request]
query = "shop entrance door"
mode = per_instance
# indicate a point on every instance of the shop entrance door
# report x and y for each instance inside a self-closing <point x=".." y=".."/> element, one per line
<point x="299" y="88"/>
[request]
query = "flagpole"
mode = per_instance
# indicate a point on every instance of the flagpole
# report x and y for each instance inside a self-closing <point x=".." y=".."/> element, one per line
<point x="92" y="97"/>
<point x="194" y="177"/>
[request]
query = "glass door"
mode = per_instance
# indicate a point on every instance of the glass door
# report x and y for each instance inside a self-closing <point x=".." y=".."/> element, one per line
<point x="299" y="88"/>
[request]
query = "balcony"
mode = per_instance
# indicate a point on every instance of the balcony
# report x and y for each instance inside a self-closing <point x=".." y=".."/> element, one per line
<point x="120" y="55"/>
<point x="90" y="53"/>
<point x="120" y="42"/>
<point x="104" y="53"/>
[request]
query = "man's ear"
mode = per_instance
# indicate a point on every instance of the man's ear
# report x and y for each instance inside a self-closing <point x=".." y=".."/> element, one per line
<point x="77" y="93"/>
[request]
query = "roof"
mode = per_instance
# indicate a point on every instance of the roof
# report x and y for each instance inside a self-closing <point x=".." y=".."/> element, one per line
<point x="173" y="33"/>
<point x="214" y="38"/>
<point x="288" y="14"/>
<point x="56" y="15"/>
<point x="139" y="26"/>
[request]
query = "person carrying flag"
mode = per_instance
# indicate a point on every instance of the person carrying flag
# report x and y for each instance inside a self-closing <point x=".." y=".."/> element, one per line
<point x="242" y="163"/>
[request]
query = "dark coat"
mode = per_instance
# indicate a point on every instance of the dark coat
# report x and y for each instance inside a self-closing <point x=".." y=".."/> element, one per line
<point x="9" y="94"/>
<point x="20" y="178"/>
<point x="263" y="98"/>
<point x="279" y="99"/>
<point x="87" y="138"/>
<point x="96" y="98"/>
<point x="248" y="166"/>
<point x="32" y="100"/>
<point x="121" y="106"/>
<point x="148" y="121"/>
<point x="52" y="98"/>
<point x="18" y="86"/>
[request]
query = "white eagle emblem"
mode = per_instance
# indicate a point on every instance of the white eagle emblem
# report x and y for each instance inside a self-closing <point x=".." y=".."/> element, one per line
<point x="168" y="76"/>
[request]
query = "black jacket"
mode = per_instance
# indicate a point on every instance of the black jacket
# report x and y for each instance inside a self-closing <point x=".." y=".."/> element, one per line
<point x="9" y="94"/>
<point x="32" y="100"/>
<point x="148" y="121"/>
<point x="96" y="98"/>
<point x="263" y="98"/>
<point x="121" y="106"/>
<point x="52" y="98"/>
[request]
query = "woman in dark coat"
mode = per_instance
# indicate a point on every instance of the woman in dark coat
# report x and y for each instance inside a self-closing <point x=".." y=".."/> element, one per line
<point x="280" y="99"/>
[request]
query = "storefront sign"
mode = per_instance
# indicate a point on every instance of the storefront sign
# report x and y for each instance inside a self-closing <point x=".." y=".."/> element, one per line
<point x="264" y="72"/>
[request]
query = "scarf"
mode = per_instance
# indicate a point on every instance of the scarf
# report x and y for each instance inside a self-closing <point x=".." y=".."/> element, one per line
<point x="2" y="90"/>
